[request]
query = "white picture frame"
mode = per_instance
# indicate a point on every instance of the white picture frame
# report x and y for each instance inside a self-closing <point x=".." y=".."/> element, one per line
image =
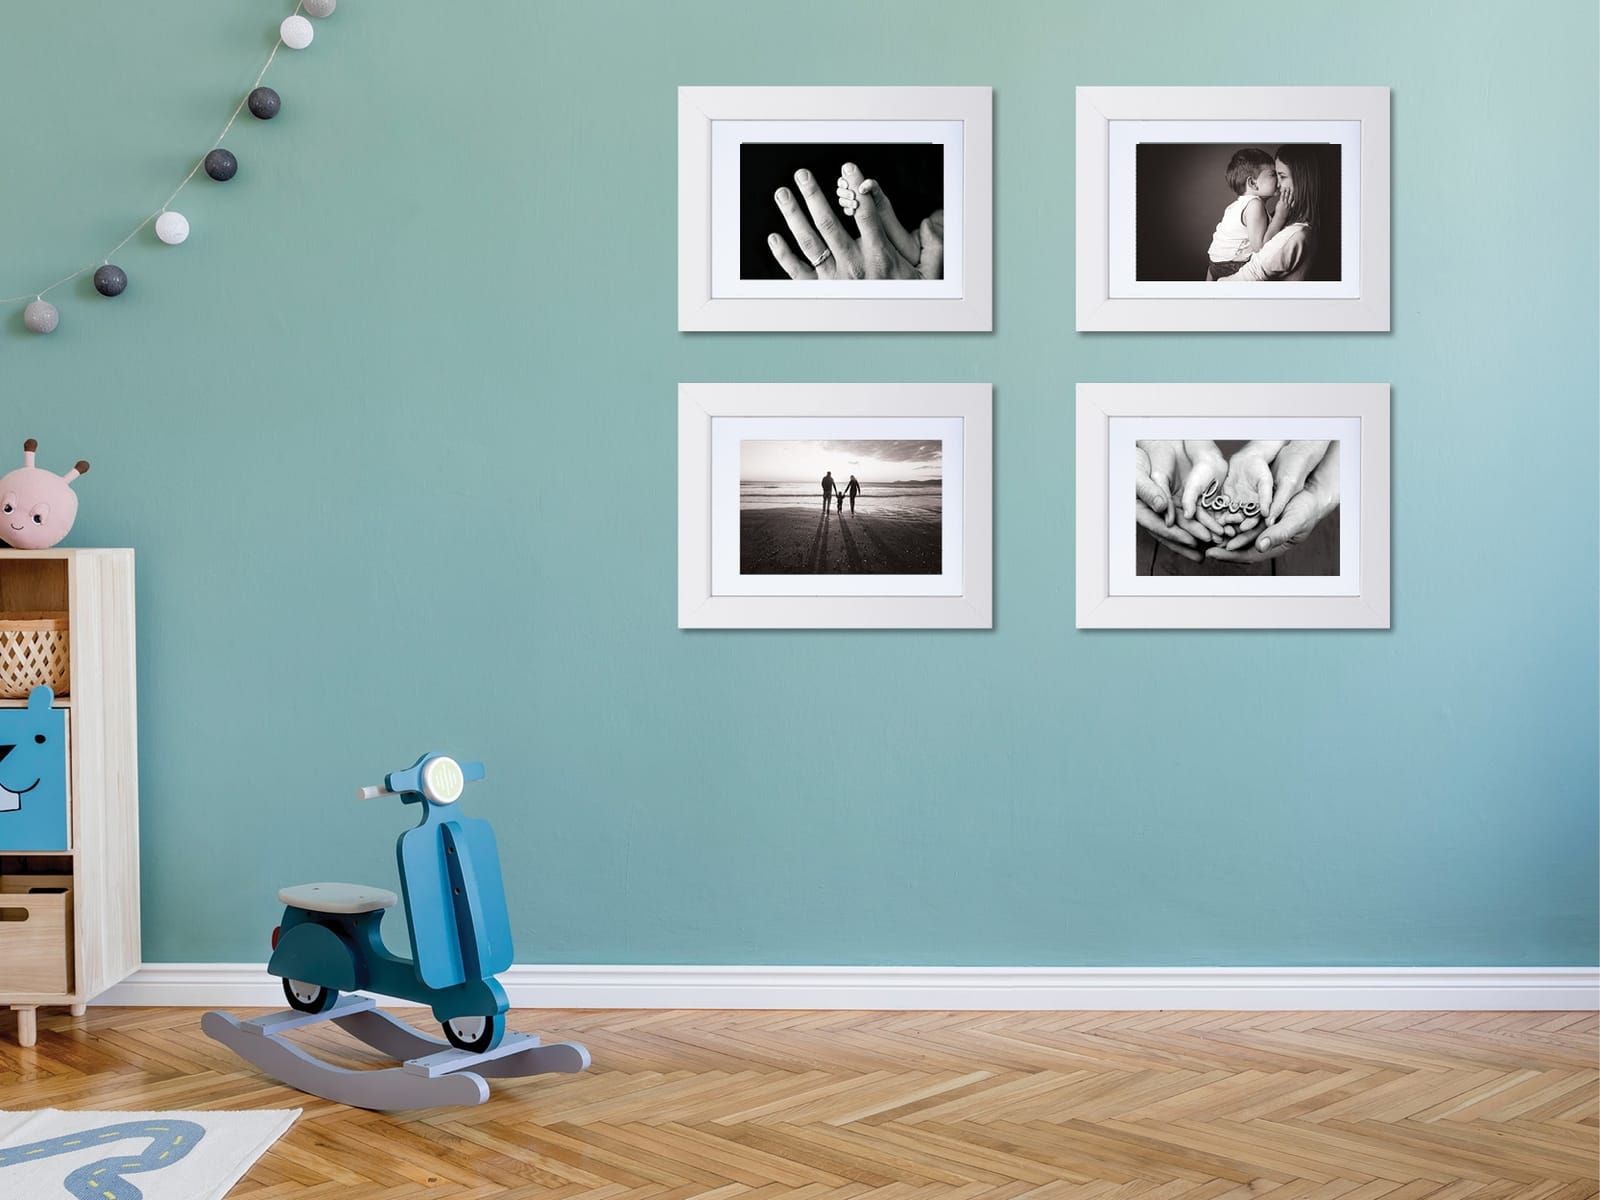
<point x="1234" y="307"/>
<point x="1098" y="607"/>
<point x="886" y="308"/>
<point x="969" y="602"/>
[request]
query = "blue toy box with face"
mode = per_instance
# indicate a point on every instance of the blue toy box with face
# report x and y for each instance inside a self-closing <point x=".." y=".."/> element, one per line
<point x="33" y="775"/>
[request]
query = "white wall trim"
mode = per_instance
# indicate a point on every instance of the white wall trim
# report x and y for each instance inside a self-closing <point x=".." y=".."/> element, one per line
<point x="958" y="988"/>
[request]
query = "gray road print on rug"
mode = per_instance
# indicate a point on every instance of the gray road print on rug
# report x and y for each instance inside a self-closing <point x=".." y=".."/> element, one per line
<point x="103" y="1179"/>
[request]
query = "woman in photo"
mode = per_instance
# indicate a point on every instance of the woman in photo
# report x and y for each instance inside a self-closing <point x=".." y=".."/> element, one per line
<point x="1291" y="240"/>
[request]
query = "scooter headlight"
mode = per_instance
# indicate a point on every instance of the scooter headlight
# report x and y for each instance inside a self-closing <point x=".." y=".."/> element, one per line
<point x="442" y="780"/>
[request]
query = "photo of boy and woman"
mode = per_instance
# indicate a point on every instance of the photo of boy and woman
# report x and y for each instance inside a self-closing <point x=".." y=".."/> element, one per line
<point x="1225" y="213"/>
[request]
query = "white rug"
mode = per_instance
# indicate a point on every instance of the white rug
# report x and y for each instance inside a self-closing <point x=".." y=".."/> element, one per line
<point x="57" y="1155"/>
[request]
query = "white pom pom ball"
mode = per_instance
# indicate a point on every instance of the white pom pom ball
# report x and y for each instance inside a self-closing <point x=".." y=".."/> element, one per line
<point x="296" y="32"/>
<point x="172" y="228"/>
<point x="320" y="8"/>
<point x="41" y="317"/>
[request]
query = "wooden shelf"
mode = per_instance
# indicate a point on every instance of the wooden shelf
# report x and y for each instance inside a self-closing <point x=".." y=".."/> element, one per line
<point x="22" y="702"/>
<point x="95" y="588"/>
<point x="30" y="584"/>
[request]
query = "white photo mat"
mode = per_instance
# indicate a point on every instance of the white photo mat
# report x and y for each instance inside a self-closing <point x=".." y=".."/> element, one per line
<point x="901" y="307"/>
<point x="1124" y="579"/>
<point x="1125" y="137"/>
<point x="1234" y="308"/>
<point x="1110" y="595"/>
<point x="728" y="136"/>
<point x="727" y="433"/>
<point x="708" y="485"/>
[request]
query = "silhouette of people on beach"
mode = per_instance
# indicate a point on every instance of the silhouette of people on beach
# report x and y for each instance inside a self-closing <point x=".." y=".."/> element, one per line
<point x="827" y="490"/>
<point x="851" y="489"/>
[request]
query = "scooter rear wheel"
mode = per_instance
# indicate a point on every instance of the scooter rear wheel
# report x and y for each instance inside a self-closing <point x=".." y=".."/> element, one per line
<point x="476" y="1035"/>
<point x="309" y="997"/>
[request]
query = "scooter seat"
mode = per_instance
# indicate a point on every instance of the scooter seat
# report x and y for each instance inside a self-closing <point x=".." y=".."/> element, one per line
<point x="345" y="898"/>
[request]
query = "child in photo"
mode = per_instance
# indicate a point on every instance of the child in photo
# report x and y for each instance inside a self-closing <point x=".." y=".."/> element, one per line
<point x="1243" y="229"/>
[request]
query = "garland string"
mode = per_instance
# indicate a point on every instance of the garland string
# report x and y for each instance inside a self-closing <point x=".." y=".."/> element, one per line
<point x="165" y="204"/>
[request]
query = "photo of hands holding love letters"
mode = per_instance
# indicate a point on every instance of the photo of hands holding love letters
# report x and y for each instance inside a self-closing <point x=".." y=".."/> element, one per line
<point x="1264" y="507"/>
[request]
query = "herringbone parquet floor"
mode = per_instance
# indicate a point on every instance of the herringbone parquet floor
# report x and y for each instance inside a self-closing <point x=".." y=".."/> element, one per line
<point x="897" y="1106"/>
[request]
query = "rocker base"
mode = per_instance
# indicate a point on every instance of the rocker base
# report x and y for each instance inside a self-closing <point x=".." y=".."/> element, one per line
<point x="433" y="1074"/>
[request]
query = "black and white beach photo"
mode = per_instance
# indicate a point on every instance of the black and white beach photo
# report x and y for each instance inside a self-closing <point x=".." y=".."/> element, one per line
<point x="1240" y="213"/>
<point x="841" y="211"/>
<point x="1236" y="508"/>
<point x="818" y="507"/>
<point x="835" y="505"/>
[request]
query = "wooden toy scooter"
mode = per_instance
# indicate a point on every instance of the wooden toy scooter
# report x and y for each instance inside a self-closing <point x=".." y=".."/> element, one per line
<point x="329" y="943"/>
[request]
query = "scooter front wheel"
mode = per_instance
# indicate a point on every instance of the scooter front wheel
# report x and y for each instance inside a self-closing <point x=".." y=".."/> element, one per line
<point x="477" y="1035"/>
<point x="309" y="997"/>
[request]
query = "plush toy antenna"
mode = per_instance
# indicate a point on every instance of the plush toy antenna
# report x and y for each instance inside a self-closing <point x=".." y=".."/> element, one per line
<point x="81" y="467"/>
<point x="28" y="447"/>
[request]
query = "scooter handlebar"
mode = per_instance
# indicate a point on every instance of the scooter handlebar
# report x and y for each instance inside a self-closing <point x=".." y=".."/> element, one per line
<point x="404" y="783"/>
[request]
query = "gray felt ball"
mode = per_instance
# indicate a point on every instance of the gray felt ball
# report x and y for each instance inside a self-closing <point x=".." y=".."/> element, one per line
<point x="319" y="8"/>
<point x="110" y="280"/>
<point x="264" y="103"/>
<point x="221" y="165"/>
<point x="41" y="317"/>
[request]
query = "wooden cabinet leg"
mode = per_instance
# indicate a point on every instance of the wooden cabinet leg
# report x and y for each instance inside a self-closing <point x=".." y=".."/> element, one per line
<point x="27" y="1024"/>
<point x="78" y="1010"/>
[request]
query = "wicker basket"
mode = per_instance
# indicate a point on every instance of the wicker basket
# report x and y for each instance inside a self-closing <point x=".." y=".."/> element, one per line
<point x="33" y="653"/>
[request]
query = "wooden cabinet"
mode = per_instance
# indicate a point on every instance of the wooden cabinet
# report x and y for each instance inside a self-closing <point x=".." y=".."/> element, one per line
<point x="81" y="904"/>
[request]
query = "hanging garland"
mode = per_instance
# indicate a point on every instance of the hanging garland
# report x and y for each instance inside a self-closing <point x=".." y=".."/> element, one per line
<point x="172" y="227"/>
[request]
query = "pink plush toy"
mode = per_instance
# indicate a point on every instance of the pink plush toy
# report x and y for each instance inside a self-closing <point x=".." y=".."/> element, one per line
<point x="37" y="507"/>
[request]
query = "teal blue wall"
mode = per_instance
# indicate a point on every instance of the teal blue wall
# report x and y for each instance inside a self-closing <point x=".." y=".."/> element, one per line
<point x="433" y="320"/>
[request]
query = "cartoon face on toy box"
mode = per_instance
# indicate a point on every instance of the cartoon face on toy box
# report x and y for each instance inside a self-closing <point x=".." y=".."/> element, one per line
<point x="33" y="775"/>
<point x="37" y="507"/>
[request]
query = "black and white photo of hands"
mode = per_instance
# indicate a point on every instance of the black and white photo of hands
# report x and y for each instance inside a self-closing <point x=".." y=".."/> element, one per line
<point x="1267" y="498"/>
<point x="885" y="249"/>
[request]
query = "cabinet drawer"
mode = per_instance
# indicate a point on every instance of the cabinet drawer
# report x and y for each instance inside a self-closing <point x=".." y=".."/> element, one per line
<point x="33" y="777"/>
<point x="36" y="934"/>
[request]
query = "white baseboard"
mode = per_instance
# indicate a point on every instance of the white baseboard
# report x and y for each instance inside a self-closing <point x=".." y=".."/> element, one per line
<point x="954" y="988"/>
